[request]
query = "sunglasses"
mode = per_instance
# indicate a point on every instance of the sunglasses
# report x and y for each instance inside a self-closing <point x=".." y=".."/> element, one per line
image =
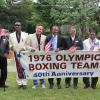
<point x="17" y="25"/>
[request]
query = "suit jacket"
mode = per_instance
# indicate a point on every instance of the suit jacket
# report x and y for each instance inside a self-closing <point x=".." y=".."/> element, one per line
<point x="18" y="46"/>
<point x="77" y="43"/>
<point x="60" y="42"/>
<point x="32" y="42"/>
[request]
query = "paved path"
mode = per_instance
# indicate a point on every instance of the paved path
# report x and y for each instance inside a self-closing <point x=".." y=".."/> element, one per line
<point x="11" y="69"/>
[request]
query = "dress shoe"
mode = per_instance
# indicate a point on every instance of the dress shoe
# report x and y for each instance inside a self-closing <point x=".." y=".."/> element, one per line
<point x="2" y="86"/>
<point x="24" y="87"/>
<point x="93" y="86"/>
<point x="6" y="86"/>
<point x="59" y="86"/>
<point x="75" y="86"/>
<point x="67" y="85"/>
<point x="20" y="86"/>
<point x="51" y="87"/>
<point x="86" y="86"/>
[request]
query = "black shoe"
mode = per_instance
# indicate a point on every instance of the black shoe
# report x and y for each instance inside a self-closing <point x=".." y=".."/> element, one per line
<point x="2" y="86"/>
<point x="24" y="87"/>
<point x="20" y="86"/>
<point x="59" y="86"/>
<point x="67" y="85"/>
<point x="93" y="86"/>
<point x="6" y="86"/>
<point x="75" y="86"/>
<point x="86" y="86"/>
<point x="51" y="87"/>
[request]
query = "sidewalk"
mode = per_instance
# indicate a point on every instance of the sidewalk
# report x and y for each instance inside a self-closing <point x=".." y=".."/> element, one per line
<point x="11" y="69"/>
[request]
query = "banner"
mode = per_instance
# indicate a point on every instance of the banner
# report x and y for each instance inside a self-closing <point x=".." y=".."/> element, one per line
<point x="61" y="64"/>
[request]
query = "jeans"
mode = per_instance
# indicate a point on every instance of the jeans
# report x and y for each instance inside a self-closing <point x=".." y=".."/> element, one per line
<point x="35" y="83"/>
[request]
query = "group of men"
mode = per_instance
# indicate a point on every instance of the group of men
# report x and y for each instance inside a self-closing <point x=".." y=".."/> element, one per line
<point x="20" y="41"/>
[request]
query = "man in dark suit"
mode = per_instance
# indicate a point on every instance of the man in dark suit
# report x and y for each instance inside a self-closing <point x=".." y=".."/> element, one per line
<point x="72" y="41"/>
<point x="57" y="44"/>
<point x="4" y="51"/>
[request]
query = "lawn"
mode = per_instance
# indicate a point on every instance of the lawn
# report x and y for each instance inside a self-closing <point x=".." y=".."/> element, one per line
<point x="12" y="93"/>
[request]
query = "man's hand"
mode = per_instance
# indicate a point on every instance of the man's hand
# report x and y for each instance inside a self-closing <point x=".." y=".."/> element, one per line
<point x="9" y="55"/>
<point x="11" y="48"/>
<point x="57" y="50"/>
<point x="72" y="49"/>
<point x="6" y="55"/>
<point x="22" y="49"/>
<point x="98" y="49"/>
<point x="33" y="49"/>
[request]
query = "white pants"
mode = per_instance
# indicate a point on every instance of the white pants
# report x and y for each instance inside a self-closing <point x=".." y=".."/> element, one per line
<point x="21" y="81"/>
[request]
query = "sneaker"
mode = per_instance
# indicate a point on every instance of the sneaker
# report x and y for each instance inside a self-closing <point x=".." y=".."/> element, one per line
<point x="34" y="87"/>
<point x="42" y="86"/>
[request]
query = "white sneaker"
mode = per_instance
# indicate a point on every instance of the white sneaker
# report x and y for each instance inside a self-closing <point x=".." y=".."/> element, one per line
<point x="34" y="87"/>
<point x="42" y="86"/>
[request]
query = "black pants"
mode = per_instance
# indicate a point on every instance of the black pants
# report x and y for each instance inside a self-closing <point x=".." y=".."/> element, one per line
<point x="51" y="81"/>
<point x="68" y="80"/>
<point x="94" y="81"/>
<point x="3" y="70"/>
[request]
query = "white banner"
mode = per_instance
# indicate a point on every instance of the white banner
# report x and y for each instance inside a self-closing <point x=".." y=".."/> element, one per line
<point x="60" y="64"/>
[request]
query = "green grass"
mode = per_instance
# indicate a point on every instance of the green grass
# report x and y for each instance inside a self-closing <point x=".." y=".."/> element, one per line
<point x="12" y="93"/>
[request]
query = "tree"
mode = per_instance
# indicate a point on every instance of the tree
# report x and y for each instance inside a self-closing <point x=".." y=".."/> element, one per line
<point x="78" y="12"/>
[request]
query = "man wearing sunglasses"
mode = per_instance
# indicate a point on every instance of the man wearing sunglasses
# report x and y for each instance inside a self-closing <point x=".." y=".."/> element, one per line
<point x="17" y="44"/>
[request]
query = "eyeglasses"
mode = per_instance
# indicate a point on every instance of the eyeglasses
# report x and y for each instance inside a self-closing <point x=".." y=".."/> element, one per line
<point x="17" y="25"/>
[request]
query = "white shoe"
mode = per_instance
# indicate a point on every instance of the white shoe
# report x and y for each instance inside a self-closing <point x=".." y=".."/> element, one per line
<point x="34" y="87"/>
<point x="42" y="86"/>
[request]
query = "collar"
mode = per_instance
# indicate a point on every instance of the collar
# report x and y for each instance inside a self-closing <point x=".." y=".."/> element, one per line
<point x="38" y="35"/>
<point x="54" y="36"/>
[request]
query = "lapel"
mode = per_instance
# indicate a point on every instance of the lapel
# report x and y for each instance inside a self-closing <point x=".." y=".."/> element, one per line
<point x="71" y="41"/>
<point x="35" y="39"/>
<point x="21" y="38"/>
<point x="49" y="38"/>
<point x="15" y="38"/>
<point x="58" y="41"/>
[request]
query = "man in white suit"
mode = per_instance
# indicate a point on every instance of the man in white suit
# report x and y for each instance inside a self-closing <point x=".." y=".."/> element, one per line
<point x="17" y="44"/>
<point x="91" y="44"/>
<point x="35" y="42"/>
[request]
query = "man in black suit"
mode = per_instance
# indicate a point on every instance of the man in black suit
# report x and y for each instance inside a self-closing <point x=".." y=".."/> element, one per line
<point x="57" y="44"/>
<point x="4" y="51"/>
<point x="73" y="41"/>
